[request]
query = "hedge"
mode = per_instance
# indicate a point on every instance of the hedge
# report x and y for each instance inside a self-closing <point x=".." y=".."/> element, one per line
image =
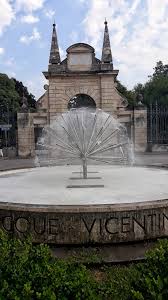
<point x="30" y="272"/>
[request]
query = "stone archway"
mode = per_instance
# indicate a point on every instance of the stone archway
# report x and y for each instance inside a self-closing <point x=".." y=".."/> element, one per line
<point x="81" y="100"/>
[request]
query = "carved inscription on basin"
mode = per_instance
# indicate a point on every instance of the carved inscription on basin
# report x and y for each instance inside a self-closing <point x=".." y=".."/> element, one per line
<point x="86" y="227"/>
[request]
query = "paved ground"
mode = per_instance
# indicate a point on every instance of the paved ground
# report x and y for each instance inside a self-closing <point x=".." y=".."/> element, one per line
<point x="8" y="164"/>
<point x="155" y="159"/>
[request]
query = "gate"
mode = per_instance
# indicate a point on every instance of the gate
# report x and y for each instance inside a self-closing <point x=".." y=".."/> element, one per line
<point x="157" y="123"/>
<point x="8" y="123"/>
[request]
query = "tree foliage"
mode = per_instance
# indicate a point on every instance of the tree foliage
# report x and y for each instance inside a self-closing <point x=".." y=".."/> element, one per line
<point x="22" y="90"/>
<point x="9" y="97"/>
<point x="153" y="275"/>
<point x="155" y="89"/>
<point x="11" y="93"/>
<point x="128" y="94"/>
<point x="30" y="272"/>
<point x="160" y="69"/>
<point x="147" y="280"/>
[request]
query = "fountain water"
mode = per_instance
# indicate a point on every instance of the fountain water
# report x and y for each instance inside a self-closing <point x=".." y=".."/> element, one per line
<point x="85" y="134"/>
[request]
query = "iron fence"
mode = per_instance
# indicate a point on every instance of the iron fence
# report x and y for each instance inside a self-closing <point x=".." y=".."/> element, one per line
<point x="157" y="123"/>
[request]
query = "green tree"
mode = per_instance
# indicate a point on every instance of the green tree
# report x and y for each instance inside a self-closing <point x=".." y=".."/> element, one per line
<point x="22" y="90"/>
<point x="128" y="94"/>
<point x="138" y="89"/>
<point x="9" y="97"/>
<point x="156" y="89"/>
<point x="160" y="69"/>
<point x="11" y="94"/>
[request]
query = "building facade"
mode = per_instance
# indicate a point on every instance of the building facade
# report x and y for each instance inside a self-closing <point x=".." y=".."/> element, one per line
<point x="79" y="80"/>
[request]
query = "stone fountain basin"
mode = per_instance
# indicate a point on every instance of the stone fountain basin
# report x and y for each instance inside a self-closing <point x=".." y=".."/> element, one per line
<point x="48" y="185"/>
<point x="131" y="206"/>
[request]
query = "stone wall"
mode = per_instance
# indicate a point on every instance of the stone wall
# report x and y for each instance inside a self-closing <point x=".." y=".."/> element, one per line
<point x="100" y="87"/>
<point x="137" y="123"/>
<point x="42" y="103"/>
<point x="105" y="224"/>
<point x="110" y="98"/>
<point x="26" y="134"/>
<point x="63" y="88"/>
<point x="26" y="146"/>
<point x="140" y="124"/>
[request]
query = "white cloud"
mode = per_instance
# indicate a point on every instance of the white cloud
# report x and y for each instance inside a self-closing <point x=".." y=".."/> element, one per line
<point x="10" y="8"/>
<point x="73" y="37"/>
<point x="156" y="11"/>
<point x="10" y="61"/>
<point x="1" y="50"/>
<point x="138" y="34"/>
<point x="49" y="13"/>
<point x="27" y="39"/>
<point x="62" y="53"/>
<point x="11" y="73"/>
<point x="118" y="14"/>
<point x="30" y="19"/>
<point x="6" y="14"/>
<point x="28" y="5"/>
<point x="36" y="85"/>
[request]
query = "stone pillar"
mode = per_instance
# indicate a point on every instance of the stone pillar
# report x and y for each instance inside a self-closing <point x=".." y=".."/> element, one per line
<point x="140" y="129"/>
<point x="26" y="145"/>
<point x="56" y="94"/>
<point x="109" y="96"/>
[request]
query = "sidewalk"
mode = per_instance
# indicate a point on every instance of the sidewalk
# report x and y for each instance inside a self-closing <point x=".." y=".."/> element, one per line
<point x="152" y="159"/>
<point x="18" y="163"/>
<point x="141" y="159"/>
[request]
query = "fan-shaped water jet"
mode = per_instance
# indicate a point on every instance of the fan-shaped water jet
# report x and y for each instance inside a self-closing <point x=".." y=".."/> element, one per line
<point x="85" y="134"/>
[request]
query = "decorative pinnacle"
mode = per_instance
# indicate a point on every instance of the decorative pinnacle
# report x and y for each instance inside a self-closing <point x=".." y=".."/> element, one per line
<point x="54" y="52"/>
<point x="106" y="50"/>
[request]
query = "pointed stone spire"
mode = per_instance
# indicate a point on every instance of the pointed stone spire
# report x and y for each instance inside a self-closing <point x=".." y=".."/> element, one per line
<point x="54" y="52"/>
<point x="106" y="51"/>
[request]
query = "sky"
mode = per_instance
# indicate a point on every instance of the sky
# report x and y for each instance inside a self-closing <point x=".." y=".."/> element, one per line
<point x="138" y="34"/>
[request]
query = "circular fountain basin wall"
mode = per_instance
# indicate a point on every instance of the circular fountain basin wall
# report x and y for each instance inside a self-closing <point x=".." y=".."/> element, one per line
<point x="55" y="205"/>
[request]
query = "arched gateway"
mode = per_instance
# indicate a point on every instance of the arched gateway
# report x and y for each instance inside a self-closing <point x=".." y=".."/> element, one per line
<point x="81" y="100"/>
<point x="81" y="74"/>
